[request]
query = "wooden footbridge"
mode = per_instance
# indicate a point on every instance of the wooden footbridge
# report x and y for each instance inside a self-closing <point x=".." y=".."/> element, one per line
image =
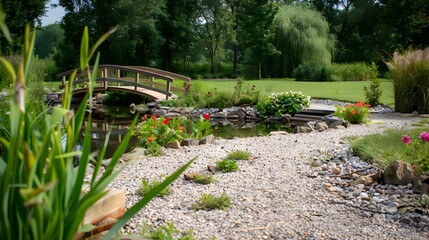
<point x="144" y="81"/>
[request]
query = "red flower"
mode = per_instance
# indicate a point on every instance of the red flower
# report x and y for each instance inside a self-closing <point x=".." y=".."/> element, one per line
<point x="166" y="121"/>
<point x="150" y="140"/>
<point x="180" y="128"/>
<point x="154" y="117"/>
<point x="145" y="117"/>
<point x="348" y="105"/>
<point x="353" y="112"/>
<point x="206" y="116"/>
<point x="406" y="139"/>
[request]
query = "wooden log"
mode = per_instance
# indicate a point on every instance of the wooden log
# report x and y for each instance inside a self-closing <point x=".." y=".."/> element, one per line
<point x="316" y="112"/>
<point x="315" y="117"/>
<point x="112" y="205"/>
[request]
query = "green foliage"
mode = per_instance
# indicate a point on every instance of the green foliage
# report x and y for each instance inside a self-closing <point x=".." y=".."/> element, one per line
<point x="48" y="39"/>
<point x="116" y="98"/>
<point x="385" y="148"/>
<point x="352" y="71"/>
<point x="373" y="94"/>
<point x="284" y="103"/>
<point x="302" y="35"/>
<point x="410" y="72"/>
<point x="210" y="202"/>
<point x="146" y="187"/>
<point x="47" y="201"/>
<point x="227" y="165"/>
<point x="204" y="179"/>
<point x="312" y="72"/>
<point x="165" y="232"/>
<point x="238" y="155"/>
<point x="356" y="113"/>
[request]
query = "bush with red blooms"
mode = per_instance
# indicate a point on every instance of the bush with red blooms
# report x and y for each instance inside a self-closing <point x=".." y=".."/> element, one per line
<point x="419" y="149"/>
<point x="356" y="113"/>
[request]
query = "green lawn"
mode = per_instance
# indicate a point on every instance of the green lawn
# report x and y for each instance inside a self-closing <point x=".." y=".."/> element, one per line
<point x="346" y="91"/>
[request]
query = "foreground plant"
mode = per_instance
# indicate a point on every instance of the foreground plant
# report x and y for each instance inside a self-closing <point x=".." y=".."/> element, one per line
<point x="227" y="165"/>
<point x="146" y="187"/>
<point x="42" y="193"/>
<point x="204" y="179"/>
<point x="238" y="155"/>
<point x="356" y="113"/>
<point x="166" y="232"/>
<point x="210" y="202"/>
<point x="284" y="103"/>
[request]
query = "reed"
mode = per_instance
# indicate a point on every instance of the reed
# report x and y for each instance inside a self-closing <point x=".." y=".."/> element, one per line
<point x="410" y="72"/>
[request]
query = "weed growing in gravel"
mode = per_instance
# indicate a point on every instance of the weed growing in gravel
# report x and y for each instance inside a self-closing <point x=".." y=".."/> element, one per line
<point x="210" y="202"/>
<point x="167" y="231"/>
<point x="422" y="123"/>
<point x="204" y="179"/>
<point x="239" y="155"/>
<point x="146" y="187"/>
<point x="227" y="165"/>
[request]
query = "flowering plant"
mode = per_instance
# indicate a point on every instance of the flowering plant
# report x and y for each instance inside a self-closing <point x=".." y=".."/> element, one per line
<point x="284" y="102"/>
<point x="187" y="86"/>
<point x="419" y="150"/>
<point x="356" y="113"/>
<point x="156" y="132"/>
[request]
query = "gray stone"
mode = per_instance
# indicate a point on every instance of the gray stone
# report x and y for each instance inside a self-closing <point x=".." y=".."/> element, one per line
<point x="207" y="139"/>
<point x="172" y="115"/>
<point x="321" y="126"/>
<point x="392" y="208"/>
<point x="302" y="129"/>
<point x="419" y="183"/>
<point x="285" y="118"/>
<point x="405" y="220"/>
<point x="173" y="145"/>
<point x="160" y="112"/>
<point x="237" y="111"/>
<point x="220" y="115"/>
<point x="399" y="172"/>
<point x="190" y="142"/>
<point x="331" y="119"/>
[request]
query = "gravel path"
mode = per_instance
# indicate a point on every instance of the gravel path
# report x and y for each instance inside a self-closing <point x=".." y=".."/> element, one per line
<point x="272" y="197"/>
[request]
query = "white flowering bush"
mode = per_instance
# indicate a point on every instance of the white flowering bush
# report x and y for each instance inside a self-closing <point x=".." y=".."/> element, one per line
<point x="284" y="103"/>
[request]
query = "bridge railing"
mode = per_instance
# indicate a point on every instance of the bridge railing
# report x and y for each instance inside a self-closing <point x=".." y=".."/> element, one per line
<point x="142" y="77"/>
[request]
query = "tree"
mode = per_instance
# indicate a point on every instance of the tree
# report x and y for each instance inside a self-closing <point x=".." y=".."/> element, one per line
<point x="302" y="36"/>
<point x="234" y="6"/>
<point x="178" y="26"/>
<point x="19" y="14"/>
<point x="257" y="31"/>
<point x="216" y="24"/>
<point x="48" y="39"/>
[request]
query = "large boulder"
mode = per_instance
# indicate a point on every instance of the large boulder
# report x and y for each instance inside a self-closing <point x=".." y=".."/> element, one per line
<point x="399" y="173"/>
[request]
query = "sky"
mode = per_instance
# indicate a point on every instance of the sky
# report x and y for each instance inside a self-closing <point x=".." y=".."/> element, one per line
<point x="52" y="14"/>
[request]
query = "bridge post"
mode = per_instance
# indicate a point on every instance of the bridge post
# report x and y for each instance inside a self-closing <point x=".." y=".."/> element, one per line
<point x="168" y="89"/>
<point x="105" y="83"/>
<point x="137" y="80"/>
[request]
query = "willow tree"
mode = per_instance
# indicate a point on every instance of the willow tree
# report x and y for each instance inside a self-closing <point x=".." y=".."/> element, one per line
<point x="302" y="35"/>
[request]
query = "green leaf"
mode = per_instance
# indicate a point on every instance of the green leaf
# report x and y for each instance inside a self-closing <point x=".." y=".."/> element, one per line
<point x="84" y="60"/>
<point x="101" y="40"/>
<point x="69" y="155"/>
<point x="58" y="115"/>
<point x="8" y="67"/>
<point x="3" y="26"/>
<point x="87" y="228"/>
<point x="147" y="198"/>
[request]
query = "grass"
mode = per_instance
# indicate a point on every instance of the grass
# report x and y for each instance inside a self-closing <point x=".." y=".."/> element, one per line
<point x="385" y="148"/>
<point x="146" y="187"/>
<point x="238" y="155"/>
<point x="345" y="91"/>
<point x="227" y="165"/>
<point x="210" y="202"/>
<point x="204" y="179"/>
<point x="166" y="231"/>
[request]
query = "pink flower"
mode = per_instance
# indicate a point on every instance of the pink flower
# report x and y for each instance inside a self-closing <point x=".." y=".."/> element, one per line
<point x="424" y="136"/>
<point x="406" y="139"/>
<point x="206" y="116"/>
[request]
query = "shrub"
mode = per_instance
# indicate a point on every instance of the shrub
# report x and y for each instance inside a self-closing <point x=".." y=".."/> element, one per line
<point x="419" y="150"/>
<point x="227" y="165"/>
<point x="352" y="71"/>
<point x="238" y="155"/>
<point x="146" y="187"/>
<point x="356" y="113"/>
<point x="373" y="94"/>
<point x="210" y="202"/>
<point x="312" y="72"/>
<point x="284" y="103"/>
<point x="165" y="232"/>
<point x="410" y="72"/>
<point x="116" y="98"/>
<point x="204" y="179"/>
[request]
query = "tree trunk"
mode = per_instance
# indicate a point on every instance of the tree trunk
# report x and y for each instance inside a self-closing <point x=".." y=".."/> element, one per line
<point x="260" y="70"/>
